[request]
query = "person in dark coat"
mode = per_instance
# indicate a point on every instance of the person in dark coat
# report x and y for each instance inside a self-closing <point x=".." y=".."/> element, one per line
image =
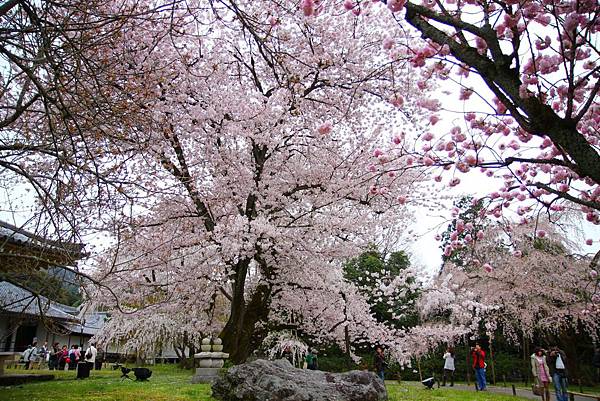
<point x="557" y="363"/>
<point x="379" y="362"/>
<point x="54" y="356"/>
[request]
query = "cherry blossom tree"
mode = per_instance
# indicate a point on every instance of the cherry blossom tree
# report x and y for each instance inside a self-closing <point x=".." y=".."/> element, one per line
<point x="259" y="171"/>
<point x="57" y="116"/>
<point x="469" y="218"/>
<point x="527" y="74"/>
<point x="520" y="283"/>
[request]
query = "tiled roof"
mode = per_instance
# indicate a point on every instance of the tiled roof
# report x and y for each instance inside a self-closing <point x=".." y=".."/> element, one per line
<point x="93" y="321"/>
<point x="16" y="235"/>
<point x="19" y="300"/>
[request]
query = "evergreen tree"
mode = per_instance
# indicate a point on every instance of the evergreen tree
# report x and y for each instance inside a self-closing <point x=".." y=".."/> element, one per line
<point x="390" y="288"/>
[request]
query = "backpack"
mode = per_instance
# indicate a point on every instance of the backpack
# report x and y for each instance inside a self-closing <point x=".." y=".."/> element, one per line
<point x="88" y="354"/>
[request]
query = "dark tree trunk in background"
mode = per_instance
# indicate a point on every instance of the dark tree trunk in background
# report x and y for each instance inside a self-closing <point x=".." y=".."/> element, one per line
<point x="238" y="333"/>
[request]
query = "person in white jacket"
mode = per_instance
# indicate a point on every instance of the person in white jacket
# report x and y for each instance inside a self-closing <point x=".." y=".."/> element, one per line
<point x="90" y="355"/>
<point x="541" y="372"/>
<point x="449" y="366"/>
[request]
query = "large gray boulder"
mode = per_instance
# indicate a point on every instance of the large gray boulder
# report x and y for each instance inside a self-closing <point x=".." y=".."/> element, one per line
<point x="263" y="380"/>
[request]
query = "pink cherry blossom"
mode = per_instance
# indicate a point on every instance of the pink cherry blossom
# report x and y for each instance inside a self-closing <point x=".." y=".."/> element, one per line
<point x="388" y="43"/>
<point x="308" y="7"/>
<point x="428" y="136"/>
<point x="397" y="100"/>
<point x="325" y="128"/>
<point x="395" y="5"/>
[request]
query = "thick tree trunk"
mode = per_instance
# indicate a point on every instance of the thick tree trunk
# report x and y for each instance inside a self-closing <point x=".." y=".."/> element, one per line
<point x="238" y="333"/>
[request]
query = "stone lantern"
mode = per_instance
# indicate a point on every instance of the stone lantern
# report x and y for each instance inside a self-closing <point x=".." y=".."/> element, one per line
<point x="212" y="358"/>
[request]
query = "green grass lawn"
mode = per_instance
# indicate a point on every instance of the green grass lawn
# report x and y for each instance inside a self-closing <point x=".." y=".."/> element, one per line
<point x="171" y="383"/>
<point x="166" y="383"/>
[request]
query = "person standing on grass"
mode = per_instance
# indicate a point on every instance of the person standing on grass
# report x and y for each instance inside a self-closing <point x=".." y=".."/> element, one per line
<point x="90" y="355"/>
<point x="449" y="366"/>
<point x="379" y="362"/>
<point x="54" y="356"/>
<point x="479" y="366"/>
<point x="43" y="355"/>
<point x="557" y="362"/>
<point x="541" y="372"/>
<point x="63" y="358"/>
<point x="74" y="356"/>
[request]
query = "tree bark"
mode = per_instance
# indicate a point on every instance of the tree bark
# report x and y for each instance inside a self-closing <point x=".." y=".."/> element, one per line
<point x="503" y="80"/>
<point x="238" y="333"/>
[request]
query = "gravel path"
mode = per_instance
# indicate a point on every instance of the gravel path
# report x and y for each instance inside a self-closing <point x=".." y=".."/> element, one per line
<point x="521" y="392"/>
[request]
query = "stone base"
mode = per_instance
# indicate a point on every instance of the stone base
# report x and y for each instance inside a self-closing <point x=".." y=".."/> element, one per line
<point x="205" y="375"/>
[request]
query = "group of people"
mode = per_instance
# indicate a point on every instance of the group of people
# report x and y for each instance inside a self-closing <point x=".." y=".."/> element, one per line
<point x="550" y="367"/>
<point x="546" y="367"/>
<point x="478" y="363"/>
<point x="58" y="358"/>
<point x="34" y="354"/>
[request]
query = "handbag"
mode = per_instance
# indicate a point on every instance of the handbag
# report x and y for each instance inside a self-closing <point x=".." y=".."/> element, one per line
<point x="537" y="389"/>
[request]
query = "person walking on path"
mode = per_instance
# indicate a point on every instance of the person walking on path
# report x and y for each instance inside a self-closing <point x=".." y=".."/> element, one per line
<point x="449" y="366"/>
<point x="479" y="365"/>
<point x="541" y="372"/>
<point x="557" y="362"/>
<point x="379" y="362"/>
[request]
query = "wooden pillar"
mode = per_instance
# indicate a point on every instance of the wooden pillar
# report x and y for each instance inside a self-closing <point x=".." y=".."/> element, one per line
<point x="492" y="363"/>
<point x="468" y="364"/>
<point x="13" y="340"/>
